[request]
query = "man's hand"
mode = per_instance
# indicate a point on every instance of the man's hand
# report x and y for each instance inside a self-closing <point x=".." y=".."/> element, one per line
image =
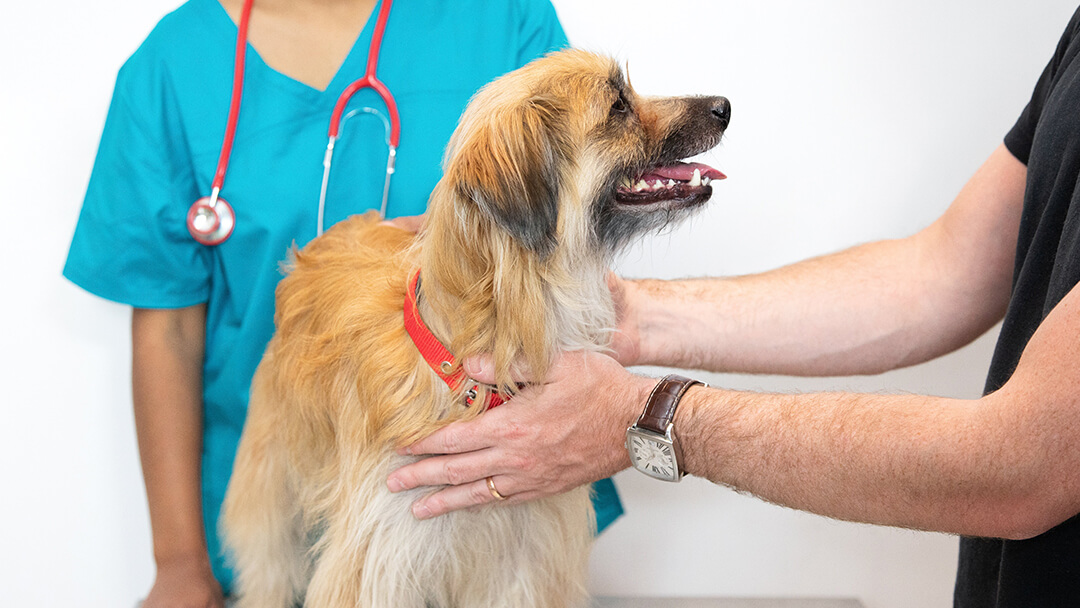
<point x="548" y="439"/>
<point x="626" y="341"/>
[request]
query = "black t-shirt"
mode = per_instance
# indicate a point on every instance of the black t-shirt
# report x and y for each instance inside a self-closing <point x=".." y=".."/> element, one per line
<point x="1042" y="572"/>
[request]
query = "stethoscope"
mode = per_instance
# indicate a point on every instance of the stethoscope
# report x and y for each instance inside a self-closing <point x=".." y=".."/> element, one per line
<point x="211" y="219"/>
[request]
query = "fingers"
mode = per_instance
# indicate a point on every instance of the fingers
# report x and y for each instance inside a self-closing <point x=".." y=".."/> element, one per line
<point x="452" y="498"/>
<point x="462" y="462"/>
<point x="467" y="484"/>
<point x="453" y="438"/>
<point x="453" y="470"/>
<point x="482" y="367"/>
<point x="546" y="440"/>
<point x="465" y="496"/>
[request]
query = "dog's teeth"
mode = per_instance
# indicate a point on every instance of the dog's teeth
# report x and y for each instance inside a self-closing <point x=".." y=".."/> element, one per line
<point x="641" y="185"/>
<point x="626" y="183"/>
<point x="670" y="183"/>
<point x="657" y="185"/>
<point x="696" y="180"/>
<point x="705" y="181"/>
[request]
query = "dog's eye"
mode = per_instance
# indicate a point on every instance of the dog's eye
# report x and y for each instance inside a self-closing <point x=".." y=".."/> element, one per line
<point x="620" y="106"/>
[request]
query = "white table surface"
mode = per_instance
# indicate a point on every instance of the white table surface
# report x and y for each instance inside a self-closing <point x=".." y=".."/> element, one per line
<point x="709" y="602"/>
<point x="684" y="602"/>
<point x="706" y="603"/>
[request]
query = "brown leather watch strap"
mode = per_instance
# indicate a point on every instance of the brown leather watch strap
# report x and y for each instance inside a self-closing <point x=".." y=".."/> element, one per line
<point x="665" y="396"/>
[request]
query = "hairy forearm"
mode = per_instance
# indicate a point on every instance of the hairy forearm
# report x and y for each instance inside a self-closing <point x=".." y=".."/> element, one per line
<point x="167" y="394"/>
<point x="995" y="467"/>
<point x="837" y="315"/>
<point x="804" y="452"/>
<point x="861" y="311"/>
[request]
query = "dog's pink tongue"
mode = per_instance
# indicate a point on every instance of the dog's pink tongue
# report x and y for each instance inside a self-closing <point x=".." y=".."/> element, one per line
<point x="683" y="172"/>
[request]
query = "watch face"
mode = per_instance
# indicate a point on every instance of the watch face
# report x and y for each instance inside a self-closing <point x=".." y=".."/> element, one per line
<point x="653" y="457"/>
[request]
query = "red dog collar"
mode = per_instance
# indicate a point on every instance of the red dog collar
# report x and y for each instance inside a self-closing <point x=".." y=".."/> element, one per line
<point x="438" y="358"/>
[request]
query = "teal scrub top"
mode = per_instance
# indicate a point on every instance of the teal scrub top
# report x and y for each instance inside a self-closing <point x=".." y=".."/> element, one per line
<point x="159" y="151"/>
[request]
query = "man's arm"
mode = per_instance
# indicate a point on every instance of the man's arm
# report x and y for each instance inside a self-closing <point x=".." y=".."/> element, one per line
<point x="167" y="357"/>
<point x="868" y="309"/>
<point x="855" y="312"/>
<point x="1000" y="466"/>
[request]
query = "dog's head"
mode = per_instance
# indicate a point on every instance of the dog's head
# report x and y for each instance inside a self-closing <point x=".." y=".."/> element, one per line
<point x="564" y="149"/>
<point x="552" y="169"/>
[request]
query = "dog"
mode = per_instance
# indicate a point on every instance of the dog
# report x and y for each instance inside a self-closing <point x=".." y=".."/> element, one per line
<point x="552" y="169"/>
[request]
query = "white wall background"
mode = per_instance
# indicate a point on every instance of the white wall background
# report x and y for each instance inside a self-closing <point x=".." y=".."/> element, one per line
<point x="852" y="121"/>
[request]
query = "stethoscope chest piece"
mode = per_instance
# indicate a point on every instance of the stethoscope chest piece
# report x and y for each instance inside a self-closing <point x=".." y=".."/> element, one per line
<point x="210" y="220"/>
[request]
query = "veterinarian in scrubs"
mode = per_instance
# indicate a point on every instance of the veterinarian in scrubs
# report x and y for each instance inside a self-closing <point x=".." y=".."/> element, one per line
<point x="205" y="313"/>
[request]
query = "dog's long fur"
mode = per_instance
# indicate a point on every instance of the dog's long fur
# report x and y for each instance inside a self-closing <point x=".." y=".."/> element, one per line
<point x="518" y="239"/>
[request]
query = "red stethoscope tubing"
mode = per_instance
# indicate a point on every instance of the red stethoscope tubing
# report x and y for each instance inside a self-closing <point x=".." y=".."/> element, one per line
<point x="237" y="93"/>
<point x="371" y="80"/>
<point x="210" y="220"/>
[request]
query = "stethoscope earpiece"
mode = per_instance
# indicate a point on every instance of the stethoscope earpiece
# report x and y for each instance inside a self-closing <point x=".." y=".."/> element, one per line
<point x="210" y="220"/>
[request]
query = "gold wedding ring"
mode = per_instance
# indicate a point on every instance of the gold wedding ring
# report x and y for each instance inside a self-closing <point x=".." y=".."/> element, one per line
<point x="494" y="492"/>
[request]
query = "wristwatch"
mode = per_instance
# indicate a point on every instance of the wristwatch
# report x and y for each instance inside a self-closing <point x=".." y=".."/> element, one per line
<point x="651" y="441"/>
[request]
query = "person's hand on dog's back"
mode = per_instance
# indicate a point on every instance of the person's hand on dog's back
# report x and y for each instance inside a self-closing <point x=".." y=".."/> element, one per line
<point x="548" y="439"/>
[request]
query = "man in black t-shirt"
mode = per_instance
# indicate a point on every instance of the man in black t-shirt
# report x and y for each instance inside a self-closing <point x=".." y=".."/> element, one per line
<point x="1003" y="471"/>
<point x="1044" y="570"/>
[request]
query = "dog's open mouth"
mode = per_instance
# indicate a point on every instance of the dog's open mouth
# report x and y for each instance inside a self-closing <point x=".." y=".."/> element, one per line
<point x="675" y="182"/>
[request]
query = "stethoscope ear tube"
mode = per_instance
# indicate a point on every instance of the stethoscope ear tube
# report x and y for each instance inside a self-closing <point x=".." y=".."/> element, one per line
<point x="370" y="80"/>
<point x="328" y="157"/>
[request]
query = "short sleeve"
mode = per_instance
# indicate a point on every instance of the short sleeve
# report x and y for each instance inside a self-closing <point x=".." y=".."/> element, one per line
<point x="1019" y="138"/>
<point x="540" y="30"/>
<point x="131" y="243"/>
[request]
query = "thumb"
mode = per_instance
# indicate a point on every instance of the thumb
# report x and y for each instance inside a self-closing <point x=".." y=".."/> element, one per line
<point x="480" y="368"/>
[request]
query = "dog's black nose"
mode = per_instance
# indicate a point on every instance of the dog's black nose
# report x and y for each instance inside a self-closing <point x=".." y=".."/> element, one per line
<point x="721" y="111"/>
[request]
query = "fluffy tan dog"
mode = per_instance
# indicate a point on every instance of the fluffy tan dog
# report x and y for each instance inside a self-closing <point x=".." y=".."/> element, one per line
<point x="552" y="169"/>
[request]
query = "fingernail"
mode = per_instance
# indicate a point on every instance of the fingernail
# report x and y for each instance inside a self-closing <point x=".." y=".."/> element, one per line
<point x="394" y="485"/>
<point x="420" y="511"/>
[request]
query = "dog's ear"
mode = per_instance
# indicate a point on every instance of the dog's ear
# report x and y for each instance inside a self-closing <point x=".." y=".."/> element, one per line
<point x="512" y="167"/>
